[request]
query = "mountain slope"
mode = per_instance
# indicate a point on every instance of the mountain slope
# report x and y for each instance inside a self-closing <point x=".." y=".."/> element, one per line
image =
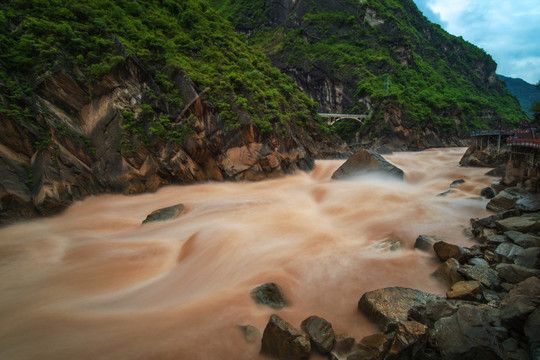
<point x="124" y="96"/>
<point x="525" y="93"/>
<point x="422" y="86"/>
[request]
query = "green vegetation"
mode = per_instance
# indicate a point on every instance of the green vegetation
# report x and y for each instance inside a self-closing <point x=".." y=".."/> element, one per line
<point x="169" y="37"/>
<point x="387" y="51"/>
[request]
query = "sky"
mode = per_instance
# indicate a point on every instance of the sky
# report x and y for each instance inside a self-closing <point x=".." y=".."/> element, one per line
<point x="508" y="30"/>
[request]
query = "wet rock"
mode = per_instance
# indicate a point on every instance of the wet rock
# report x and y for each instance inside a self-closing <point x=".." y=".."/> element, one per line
<point x="447" y="272"/>
<point x="384" y="306"/>
<point x="496" y="240"/>
<point x="487" y="192"/>
<point x="521" y="224"/>
<point x="490" y="221"/>
<point x="343" y="345"/>
<point x="478" y="262"/>
<point x="320" y="332"/>
<point x="251" y="333"/>
<point x="283" y="341"/>
<point x="508" y="251"/>
<point x="436" y="309"/>
<point x="481" y="273"/>
<point x="366" y="162"/>
<point x="504" y="200"/>
<point x="425" y="242"/>
<point x="372" y="347"/>
<point x="269" y="294"/>
<point x="168" y="213"/>
<point x="472" y="332"/>
<point x="529" y="258"/>
<point x="529" y="203"/>
<point x="407" y="341"/>
<point x="446" y="251"/>
<point x="456" y="183"/>
<point x="523" y="240"/>
<point x="515" y="274"/>
<point x="466" y="290"/>
<point x="520" y="302"/>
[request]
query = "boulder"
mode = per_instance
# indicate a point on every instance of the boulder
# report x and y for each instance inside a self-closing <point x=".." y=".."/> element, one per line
<point x="481" y="273"/>
<point x="529" y="258"/>
<point x="425" y="242"/>
<point x="487" y="192"/>
<point x="520" y="302"/>
<point x="168" y="213"/>
<point x="508" y="251"/>
<point x="466" y="290"/>
<point x="496" y="239"/>
<point x="521" y="224"/>
<point x="447" y="272"/>
<point x="504" y="200"/>
<point x="366" y="162"/>
<point x="251" y="333"/>
<point x="408" y="340"/>
<point x="523" y="240"/>
<point x="283" y="341"/>
<point x="372" y="347"/>
<point x="446" y="251"/>
<point x="269" y="294"/>
<point x="515" y="274"/>
<point x="320" y="332"/>
<point x="489" y="222"/>
<point x="388" y="305"/>
<point x="436" y="309"/>
<point x="471" y="333"/>
<point x="532" y="332"/>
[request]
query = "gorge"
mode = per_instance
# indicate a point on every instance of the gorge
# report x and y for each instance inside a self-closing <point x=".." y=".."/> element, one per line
<point x="95" y="282"/>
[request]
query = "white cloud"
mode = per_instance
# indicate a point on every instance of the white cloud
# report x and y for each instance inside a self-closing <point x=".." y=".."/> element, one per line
<point x="508" y="30"/>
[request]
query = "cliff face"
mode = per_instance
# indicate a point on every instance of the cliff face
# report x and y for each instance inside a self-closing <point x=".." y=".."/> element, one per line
<point x="87" y="149"/>
<point x="422" y="86"/>
<point x="72" y="126"/>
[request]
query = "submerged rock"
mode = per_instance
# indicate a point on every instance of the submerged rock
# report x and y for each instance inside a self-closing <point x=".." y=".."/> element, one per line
<point x="269" y="294"/>
<point x="251" y="333"/>
<point x="366" y="162"/>
<point x="283" y="341"/>
<point x="425" y="242"/>
<point x="168" y="213"/>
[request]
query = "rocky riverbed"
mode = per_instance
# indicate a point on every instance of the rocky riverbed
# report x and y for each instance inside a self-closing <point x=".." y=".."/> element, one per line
<point x="490" y="311"/>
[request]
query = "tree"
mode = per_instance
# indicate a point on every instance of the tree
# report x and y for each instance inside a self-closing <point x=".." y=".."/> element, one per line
<point x="535" y="108"/>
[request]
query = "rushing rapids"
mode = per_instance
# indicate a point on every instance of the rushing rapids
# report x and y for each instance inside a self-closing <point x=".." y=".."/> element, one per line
<point x="93" y="283"/>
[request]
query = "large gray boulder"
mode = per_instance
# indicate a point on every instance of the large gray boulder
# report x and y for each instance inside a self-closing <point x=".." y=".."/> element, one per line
<point x="520" y="302"/>
<point x="515" y="274"/>
<point x="529" y="258"/>
<point x="523" y="224"/>
<point x="523" y="240"/>
<point x="283" y="341"/>
<point x="471" y="333"/>
<point x="388" y="305"/>
<point x="366" y="162"/>
<point x="508" y="251"/>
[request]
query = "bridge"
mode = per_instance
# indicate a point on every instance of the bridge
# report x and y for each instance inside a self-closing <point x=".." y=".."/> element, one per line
<point x="331" y="119"/>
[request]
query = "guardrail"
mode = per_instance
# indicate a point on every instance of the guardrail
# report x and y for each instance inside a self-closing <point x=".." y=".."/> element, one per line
<point x="533" y="143"/>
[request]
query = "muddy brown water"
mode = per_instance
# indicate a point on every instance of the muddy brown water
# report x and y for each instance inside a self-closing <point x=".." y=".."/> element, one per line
<point x="93" y="283"/>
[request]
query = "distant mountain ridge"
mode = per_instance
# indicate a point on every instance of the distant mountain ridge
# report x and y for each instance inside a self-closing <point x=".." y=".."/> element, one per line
<point x="422" y="86"/>
<point x="525" y="93"/>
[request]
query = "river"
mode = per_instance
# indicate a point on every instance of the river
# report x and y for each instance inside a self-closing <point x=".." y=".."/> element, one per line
<point x="92" y="283"/>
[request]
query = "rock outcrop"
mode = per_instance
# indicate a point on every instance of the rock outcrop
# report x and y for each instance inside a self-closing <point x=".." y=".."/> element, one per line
<point x="366" y="162"/>
<point x="82" y="144"/>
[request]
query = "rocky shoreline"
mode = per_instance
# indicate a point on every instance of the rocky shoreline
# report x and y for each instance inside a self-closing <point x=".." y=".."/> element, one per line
<point x="490" y="311"/>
